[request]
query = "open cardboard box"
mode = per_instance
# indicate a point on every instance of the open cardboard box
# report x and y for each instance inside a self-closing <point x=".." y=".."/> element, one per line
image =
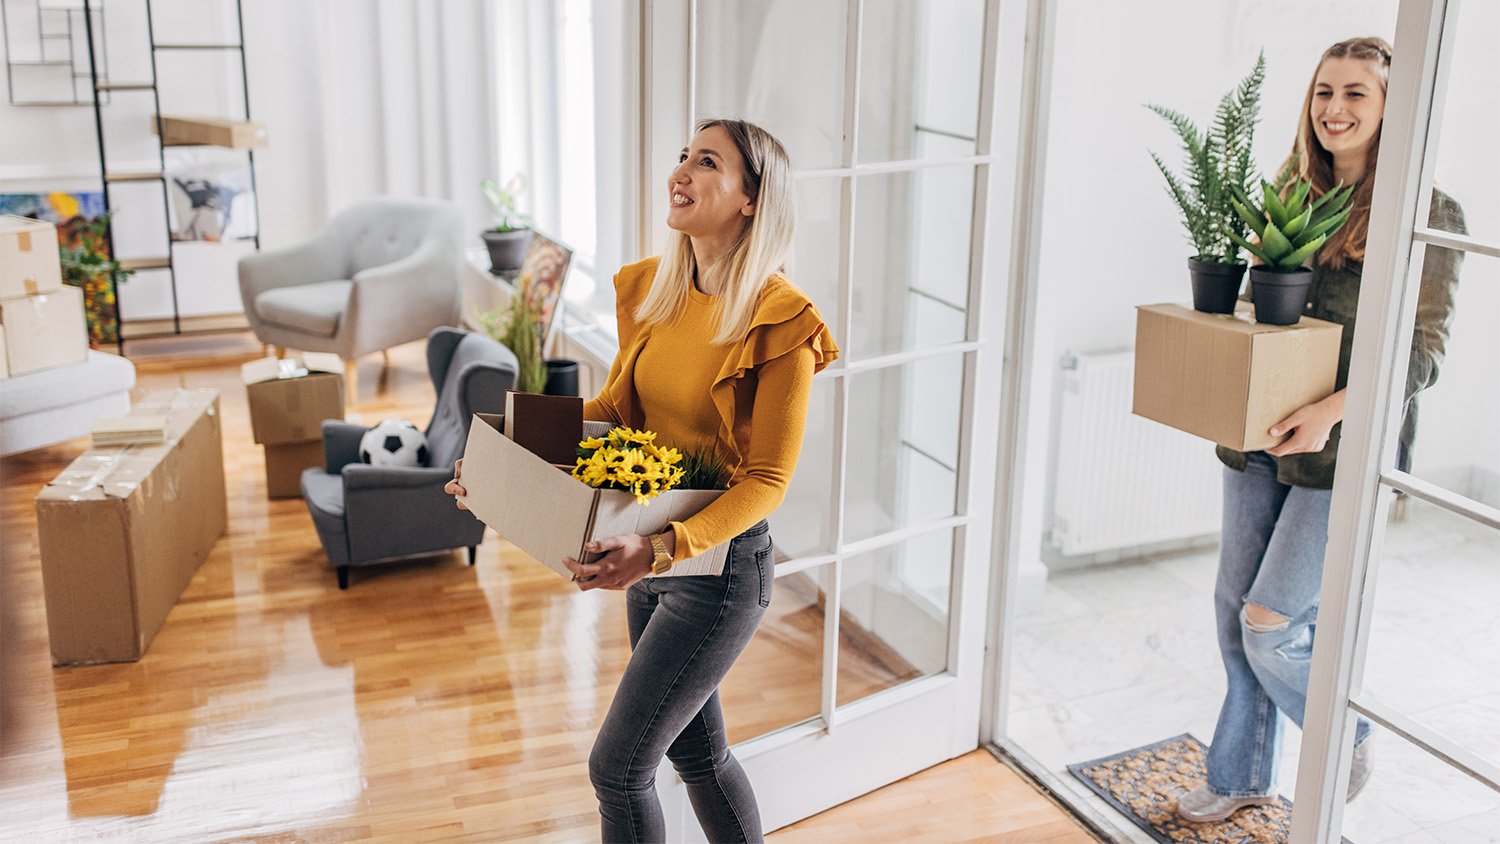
<point x="290" y="398"/>
<point x="546" y="512"/>
<point x="1226" y="377"/>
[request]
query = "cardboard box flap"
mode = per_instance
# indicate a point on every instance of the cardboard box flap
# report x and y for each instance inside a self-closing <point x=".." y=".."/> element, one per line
<point x="116" y="471"/>
<point x="323" y="362"/>
<point x="532" y="522"/>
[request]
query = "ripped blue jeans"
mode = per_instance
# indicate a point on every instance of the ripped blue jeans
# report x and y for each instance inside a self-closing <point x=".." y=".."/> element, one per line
<point x="1271" y="554"/>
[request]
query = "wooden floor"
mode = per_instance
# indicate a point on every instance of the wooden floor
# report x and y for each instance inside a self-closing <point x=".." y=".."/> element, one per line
<point x="430" y="701"/>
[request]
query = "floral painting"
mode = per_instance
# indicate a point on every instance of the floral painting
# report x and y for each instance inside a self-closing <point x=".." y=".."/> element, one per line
<point x="76" y="215"/>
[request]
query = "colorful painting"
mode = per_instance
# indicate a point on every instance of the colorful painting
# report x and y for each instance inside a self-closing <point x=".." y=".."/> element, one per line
<point x="75" y="215"/>
<point x="546" y="265"/>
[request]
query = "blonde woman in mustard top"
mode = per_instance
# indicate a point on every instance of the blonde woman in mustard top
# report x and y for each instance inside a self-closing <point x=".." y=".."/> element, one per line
<point x="717" y="351"/>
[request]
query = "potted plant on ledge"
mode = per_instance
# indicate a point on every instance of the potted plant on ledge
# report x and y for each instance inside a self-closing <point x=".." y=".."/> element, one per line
<point x="1288" y="230"/>
<point x="511" y="235"/>
<point x="1218" y="164"/>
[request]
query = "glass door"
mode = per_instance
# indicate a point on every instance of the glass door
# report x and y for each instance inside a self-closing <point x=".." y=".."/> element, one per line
<point x="867" y="667"/>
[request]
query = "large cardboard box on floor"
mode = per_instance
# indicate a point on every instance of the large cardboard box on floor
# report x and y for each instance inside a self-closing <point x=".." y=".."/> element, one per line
<point x="1226" y="377"/>
<point x="44" y="331"/>
<point x="29" y="260"/>
<point x="289" y="399"/>
<point x="546" y="512"/>
<point x="284" y="465"/>
<point x="123" y="529"/>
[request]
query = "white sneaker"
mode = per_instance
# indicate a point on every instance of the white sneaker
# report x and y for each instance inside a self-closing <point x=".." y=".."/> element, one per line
<point x="1202" y="805"/>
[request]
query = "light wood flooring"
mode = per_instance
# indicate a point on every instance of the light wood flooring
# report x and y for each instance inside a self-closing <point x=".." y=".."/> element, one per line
<point x="430" y="701"/>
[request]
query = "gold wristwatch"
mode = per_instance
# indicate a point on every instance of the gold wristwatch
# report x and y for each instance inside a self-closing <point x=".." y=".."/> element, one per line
<point x="661" y="561"/>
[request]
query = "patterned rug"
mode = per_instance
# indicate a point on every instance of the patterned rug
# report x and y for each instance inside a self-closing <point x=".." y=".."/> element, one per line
<point x="1143" y="784"/>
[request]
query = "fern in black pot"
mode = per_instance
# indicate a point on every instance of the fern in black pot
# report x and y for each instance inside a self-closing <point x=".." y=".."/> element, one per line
<point x="1217" y="165"/>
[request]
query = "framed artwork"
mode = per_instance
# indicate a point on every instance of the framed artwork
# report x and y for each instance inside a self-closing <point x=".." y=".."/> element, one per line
<point x="546" y="266"/>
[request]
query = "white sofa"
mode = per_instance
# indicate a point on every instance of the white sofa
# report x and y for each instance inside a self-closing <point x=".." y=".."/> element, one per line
<point x="54" y="405"/>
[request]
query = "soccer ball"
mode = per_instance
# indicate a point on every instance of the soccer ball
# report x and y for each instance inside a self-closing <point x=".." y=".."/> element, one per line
<point x="394" y="442"/>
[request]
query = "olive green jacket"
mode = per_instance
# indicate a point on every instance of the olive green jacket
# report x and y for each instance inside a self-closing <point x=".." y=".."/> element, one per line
<point x="1334" y="296"/>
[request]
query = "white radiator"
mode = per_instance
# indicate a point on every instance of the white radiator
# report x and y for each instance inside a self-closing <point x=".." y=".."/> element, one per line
<point x="1124" y="481"/>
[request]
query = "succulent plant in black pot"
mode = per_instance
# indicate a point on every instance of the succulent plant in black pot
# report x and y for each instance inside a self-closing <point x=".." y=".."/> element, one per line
<point x="1289" y="229"/>
<point x="1218" y="163"/>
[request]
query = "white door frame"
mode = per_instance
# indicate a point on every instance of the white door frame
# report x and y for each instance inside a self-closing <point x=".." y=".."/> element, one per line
<point x="852" y="749"/>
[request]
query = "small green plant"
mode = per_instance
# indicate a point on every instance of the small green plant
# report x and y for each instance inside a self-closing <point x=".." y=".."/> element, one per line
<point x="85" y="257"/>
<point x="704" y="470"/>
<point x="1218" y="163"/>
<point x="502" y="201"/>
<point x="1290" y="230"/>
<point x="519" y="329"/>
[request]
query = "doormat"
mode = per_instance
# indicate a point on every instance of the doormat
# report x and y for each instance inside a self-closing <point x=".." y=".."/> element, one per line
<point x="1143" y="784"/>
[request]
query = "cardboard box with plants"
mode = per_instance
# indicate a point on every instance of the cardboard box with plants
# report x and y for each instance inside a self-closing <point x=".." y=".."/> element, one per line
<point x="123" y="529"/>
<point x="533" y="476"/>
<point x="1223" y="370"/>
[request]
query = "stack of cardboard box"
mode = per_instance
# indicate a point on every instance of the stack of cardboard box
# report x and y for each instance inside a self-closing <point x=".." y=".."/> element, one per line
<point x="41" y="320"/>
<point x="289" y="399"/>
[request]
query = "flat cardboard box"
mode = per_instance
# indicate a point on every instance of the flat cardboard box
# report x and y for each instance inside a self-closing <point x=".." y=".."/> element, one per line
<point x="284" y="465"/>
<point x="29" y="260"/>
<point x="549" y="514"/>
<point x="1226" y="377"/>
<point x="182" y="130"/>
<point x="287" y="407"/>
<point x="123" y="529"/>
<point x="45" y="330"/>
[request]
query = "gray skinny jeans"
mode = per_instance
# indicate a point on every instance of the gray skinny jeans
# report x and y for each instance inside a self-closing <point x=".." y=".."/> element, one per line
<point x="685" y="633"/>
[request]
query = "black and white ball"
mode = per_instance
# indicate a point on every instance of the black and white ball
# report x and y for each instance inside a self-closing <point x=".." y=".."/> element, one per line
<point x="394" y="442"/>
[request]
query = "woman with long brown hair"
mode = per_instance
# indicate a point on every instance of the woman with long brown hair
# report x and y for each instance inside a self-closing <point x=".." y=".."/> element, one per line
<point x="1276" y="501"/>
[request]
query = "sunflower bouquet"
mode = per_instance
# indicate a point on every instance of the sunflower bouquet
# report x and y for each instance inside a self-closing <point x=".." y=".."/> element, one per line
<point x="629" y="460"/>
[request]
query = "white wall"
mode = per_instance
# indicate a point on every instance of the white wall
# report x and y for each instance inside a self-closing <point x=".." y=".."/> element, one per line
<point x="1111" y="237"/>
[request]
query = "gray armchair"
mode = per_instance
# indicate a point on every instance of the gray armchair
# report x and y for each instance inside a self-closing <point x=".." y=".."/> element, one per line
<point x="372" y="514"/>
<point x="384" y="272"/>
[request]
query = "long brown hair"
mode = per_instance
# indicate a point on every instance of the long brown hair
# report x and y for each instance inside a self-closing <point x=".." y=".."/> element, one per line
<point x="1315" y="163"/>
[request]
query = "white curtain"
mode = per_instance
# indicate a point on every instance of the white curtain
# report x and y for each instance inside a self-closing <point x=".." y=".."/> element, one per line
<point x="408" y="90"/>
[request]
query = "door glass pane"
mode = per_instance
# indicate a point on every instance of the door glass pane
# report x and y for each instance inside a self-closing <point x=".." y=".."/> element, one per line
<point x="803" y="524"/>
<point x="919" y="78"/>
<point x="903" y="445"/>
<point x="1467" y="166"/>
<point x="911" y="260"/>
<point x="1434" y="647"/>
<point x="778" y="680"/>
<point x="1412" y="796"/>
<point x="1457" y="420"/>
<point x="814" y="264"/>
<point x="893" y="619"/>
<point x="752" y="53"/>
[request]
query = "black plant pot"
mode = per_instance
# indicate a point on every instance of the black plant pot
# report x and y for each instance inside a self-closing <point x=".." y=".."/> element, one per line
<point x="562" y="377"/>
<point x="1216" y="287"/>
<point x="507" y="249"/>
<point x="1279" y="297"/>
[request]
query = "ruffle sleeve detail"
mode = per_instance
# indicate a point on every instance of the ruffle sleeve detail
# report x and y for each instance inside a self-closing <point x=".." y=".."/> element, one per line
<point x="786" y="320"/>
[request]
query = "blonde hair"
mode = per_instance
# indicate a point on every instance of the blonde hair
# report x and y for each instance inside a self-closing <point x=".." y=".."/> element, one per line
<point x="1315" y="163"/>
<point x="760" y="252"/>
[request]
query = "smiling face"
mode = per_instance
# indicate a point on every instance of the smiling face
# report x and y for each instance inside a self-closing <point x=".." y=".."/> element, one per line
<point x="1347" y="103"/>
<point x="706" y="190"/>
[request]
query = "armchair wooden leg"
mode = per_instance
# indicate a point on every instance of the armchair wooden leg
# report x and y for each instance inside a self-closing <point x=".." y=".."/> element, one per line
<point x="351" y="381"/>
<point x="343" y="572"/>
<point x="385" y="357"/>
<point x="280" y="352"/>
<point x="473" y="553"/>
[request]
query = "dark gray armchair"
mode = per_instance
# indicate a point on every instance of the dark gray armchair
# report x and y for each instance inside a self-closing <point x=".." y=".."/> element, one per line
<point x="372" y="514"/>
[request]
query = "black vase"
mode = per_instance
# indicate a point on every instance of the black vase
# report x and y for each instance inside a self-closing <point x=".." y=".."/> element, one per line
<point x="507" y="249"/>
<point x="1279" y="296"/>
<point x="1216" y="287"/>
<point x="562" y="377"/>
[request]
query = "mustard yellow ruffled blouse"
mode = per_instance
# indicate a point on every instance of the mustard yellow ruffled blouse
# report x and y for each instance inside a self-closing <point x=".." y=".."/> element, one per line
<point x="746" y="400"/>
